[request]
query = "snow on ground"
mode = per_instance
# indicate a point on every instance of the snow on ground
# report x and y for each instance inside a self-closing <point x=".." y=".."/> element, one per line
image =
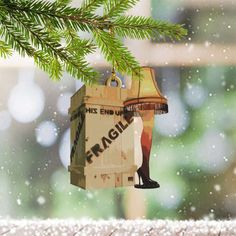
<point x="116" y="227"/>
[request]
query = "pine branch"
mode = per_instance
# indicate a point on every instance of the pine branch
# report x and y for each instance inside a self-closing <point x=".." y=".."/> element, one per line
<point x="5" y="50"/>
<point x="91" y="5"/>
<point x="142" y="27"/>
<point x="115" y="8"/>
<point x="74" y="63"/>
<point x="63" y="2"/>
<point x="76" y="45"/>
<point x="50" y="65"/>
<point x="115" y="52"/>
<point x="60" y="17"/>
<point x="48" y="32"/>
<point x="13" y="37"/>
<point x="18" y="43"/>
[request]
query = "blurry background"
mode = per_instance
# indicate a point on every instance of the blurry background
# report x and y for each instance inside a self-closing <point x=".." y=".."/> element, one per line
<point x="194" y="152"/>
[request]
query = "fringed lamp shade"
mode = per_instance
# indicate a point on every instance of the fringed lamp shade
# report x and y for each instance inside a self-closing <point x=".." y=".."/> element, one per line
<point x="145" y="94"/>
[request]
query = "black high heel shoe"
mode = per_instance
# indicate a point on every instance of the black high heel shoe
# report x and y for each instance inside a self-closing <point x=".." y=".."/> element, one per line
<point x="147" y="182"/>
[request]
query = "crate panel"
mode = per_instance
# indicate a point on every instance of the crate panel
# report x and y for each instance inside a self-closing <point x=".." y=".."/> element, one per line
<point x="100" y="181"/>
<point x="111" y="137"/>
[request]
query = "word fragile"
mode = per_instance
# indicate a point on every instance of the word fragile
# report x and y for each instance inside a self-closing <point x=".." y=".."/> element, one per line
<point x="103" y="111"/>
<point x="107" y="140"/>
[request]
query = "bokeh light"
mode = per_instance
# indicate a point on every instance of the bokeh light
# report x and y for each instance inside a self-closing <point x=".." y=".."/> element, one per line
<point x="195" y="95"/>
<point x="176" y="121"/>
<point x="46" y="133"/>
<point x="214" y="152"/>
<point x="26" y="102"/>
<point x="171" y="195"/>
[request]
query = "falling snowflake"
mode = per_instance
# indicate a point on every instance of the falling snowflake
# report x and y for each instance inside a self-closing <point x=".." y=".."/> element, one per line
<point x="217" y="187"/>
<point x="18" y="200"/>
<point x="41" y="200"/>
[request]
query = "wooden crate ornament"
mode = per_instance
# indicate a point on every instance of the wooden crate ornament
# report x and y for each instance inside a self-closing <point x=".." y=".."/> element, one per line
<point x="102" y="138"/>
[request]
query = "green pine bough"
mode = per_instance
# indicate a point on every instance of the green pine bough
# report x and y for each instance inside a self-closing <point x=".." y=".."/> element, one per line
<point x="49" y="33"/>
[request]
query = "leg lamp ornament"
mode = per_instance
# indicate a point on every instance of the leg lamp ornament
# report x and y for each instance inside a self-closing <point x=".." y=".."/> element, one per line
<point x="146" y="100"/>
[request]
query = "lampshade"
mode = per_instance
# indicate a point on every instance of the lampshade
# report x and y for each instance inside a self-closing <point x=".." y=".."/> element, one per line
<point x="145" y="94"/>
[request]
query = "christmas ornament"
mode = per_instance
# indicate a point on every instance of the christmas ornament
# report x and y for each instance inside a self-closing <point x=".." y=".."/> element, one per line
<point x="102" y="137"/>
<point x="146" y="100"/>
<point x="102" y="132"/>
